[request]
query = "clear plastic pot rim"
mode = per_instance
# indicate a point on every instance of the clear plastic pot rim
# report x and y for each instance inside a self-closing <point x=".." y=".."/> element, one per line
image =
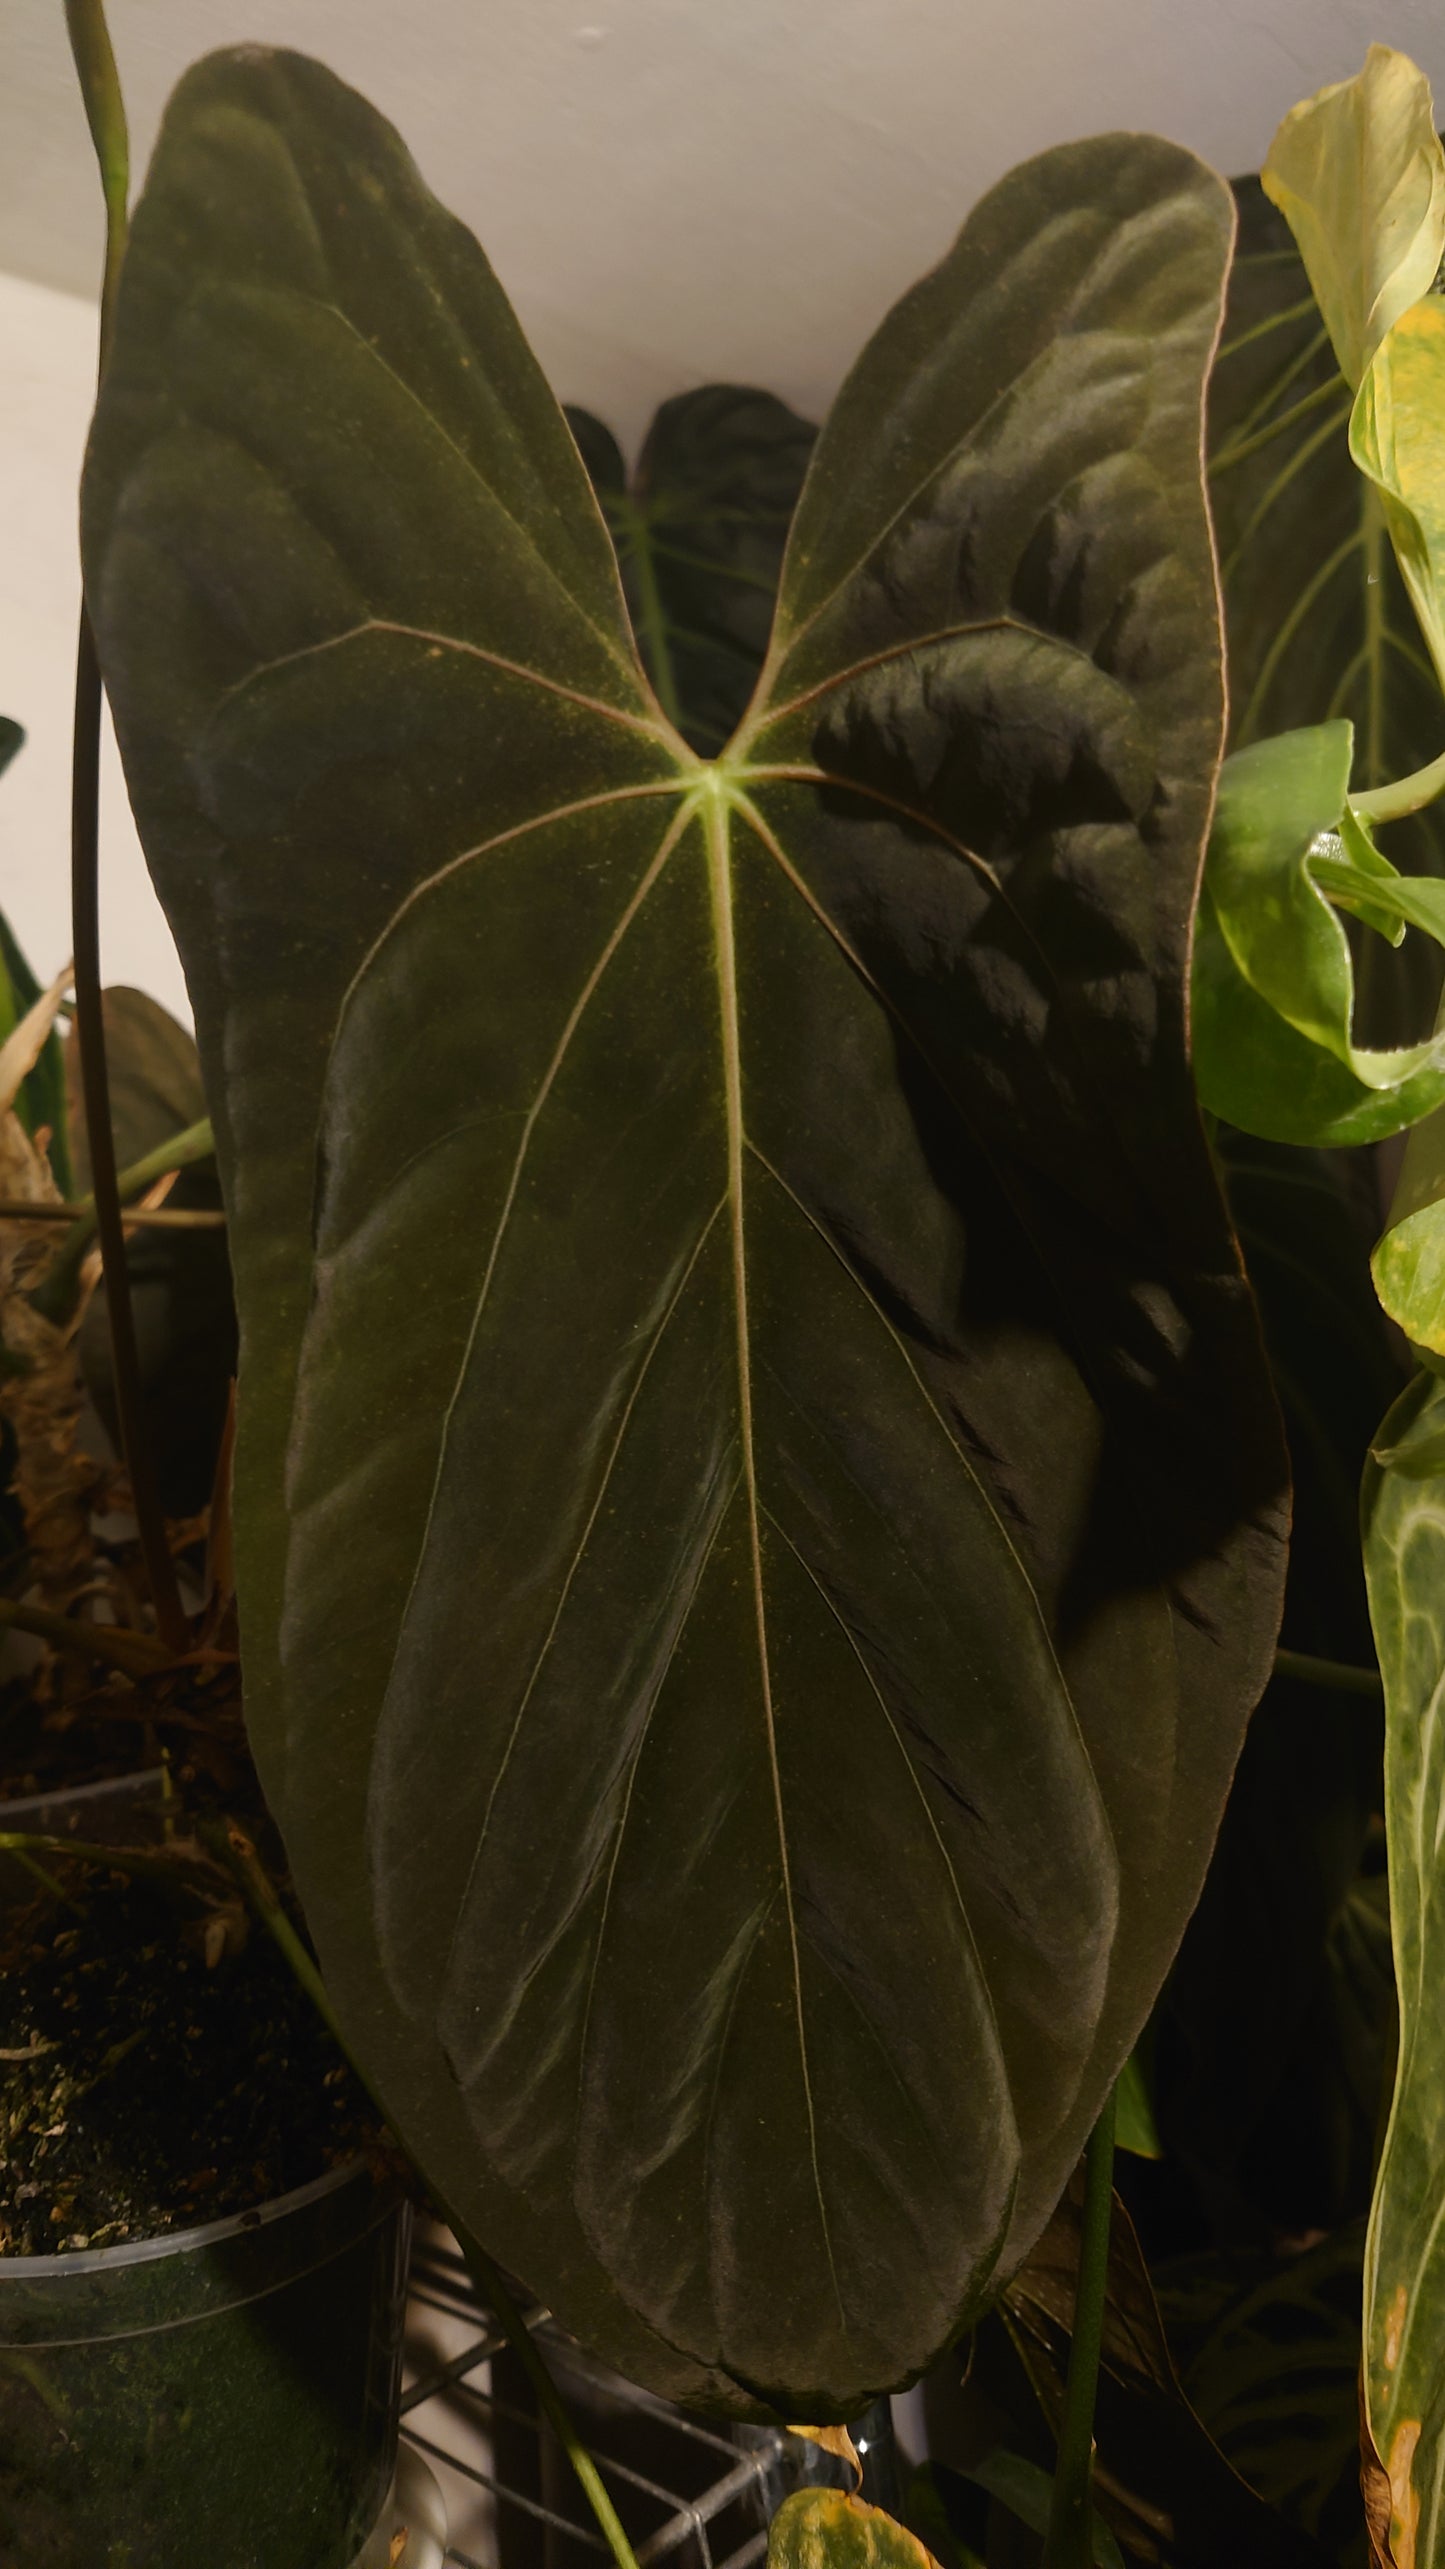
<point x="181" y="2243"/>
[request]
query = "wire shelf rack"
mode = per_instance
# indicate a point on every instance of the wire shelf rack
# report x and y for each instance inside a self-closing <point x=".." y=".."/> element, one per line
<point x="691" y="2493"/>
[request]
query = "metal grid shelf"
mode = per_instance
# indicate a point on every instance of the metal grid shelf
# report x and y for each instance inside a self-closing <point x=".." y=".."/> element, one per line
<point x="692" y="2495"/>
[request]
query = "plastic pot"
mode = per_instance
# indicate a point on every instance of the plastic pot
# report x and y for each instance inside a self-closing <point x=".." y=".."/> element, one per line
<point x="217" y="2398"/>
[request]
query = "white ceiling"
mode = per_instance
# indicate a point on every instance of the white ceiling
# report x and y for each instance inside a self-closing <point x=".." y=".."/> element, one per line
<point x="677" y="190"/>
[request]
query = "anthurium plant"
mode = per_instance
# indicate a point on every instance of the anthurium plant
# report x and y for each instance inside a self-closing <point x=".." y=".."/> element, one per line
<point x="760" y="1504"/>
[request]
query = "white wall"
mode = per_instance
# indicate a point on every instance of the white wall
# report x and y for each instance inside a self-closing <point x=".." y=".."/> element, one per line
<point x="47" y="371"/>
<point x="672" y="191"/>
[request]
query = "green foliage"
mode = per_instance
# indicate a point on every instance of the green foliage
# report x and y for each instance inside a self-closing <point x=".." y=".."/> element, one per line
<point x="699" y="533"/>
<point x="1274" y="979"/>
<point x="1359" y="173"/>
<point x="1319" y="622"/>
<point x="1397" y="438"/>
<point x="761" y="1666"/>
<point x="1409" y="1261"/>
<point x="1403" y="1512"/>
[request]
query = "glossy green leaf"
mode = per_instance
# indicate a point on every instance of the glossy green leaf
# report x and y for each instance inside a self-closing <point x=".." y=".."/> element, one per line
<point x="828" y="2529"/>
<point x="1274" y="979"/>
<point x="1408" y="1264"/>
<point x="699" y="531"/>
<point x="1135" y="2129"/>
<point x="1397" y="437"/>
<point x="1359" y="173"/>
<point x="1319" y="622"/>
<point x="1403" y="1512"/>
<point x="757" y="1496"/>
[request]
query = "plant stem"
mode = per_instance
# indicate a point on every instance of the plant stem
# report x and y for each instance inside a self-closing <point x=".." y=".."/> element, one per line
<point x="1409" y="794"/>
<point x="135" y="1654"/>
<point x="100" y="87"/>
<point x="157" y="1217"/>
<point x="1069" y="2543"/>
<point x="1333" y="1673"/>
<point x="117" y="1859"/>
<point x="524" y="2346"/>
<point x="234" y="1848"/>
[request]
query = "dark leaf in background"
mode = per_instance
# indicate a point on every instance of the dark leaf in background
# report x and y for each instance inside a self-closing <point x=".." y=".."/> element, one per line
<point x="1318" y="620"/>
<point x="1160" y="2479"/>
<point x="759" y="1428"/>
<point x="1268" y="2349"/>
<point x="180" y="1281"/>
<point x="700" y="532"/>
<point x="155" y="1079"/>
<point x="1256" y="2073"/>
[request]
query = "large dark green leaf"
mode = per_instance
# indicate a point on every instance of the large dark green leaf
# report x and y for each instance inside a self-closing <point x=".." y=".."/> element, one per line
<point x="758" y="1502"/>
<point x="700" y="531"/>
<point x="1318" y="620"/>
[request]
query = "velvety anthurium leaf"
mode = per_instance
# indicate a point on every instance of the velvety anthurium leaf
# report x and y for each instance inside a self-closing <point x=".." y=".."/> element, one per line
<point x="828" y="2529"/>
<point x="1318" y="618"/>
<point x="1403" y="1511"/>
<point x="700" y="531"/>
<point x="757" y="1498"/>
<point x="1274" y="982"/>
<point x="1359" y="173"/>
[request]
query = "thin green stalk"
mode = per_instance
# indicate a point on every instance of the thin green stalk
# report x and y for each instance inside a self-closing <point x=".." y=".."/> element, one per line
<point x="1069" y="2543"/>
<point x="105" y="113"/>
<point x="234" y="1848"/>
<point x="100" y="88"/>
<point x="1409" y="794"/>
<point x="1336" y="1674"/>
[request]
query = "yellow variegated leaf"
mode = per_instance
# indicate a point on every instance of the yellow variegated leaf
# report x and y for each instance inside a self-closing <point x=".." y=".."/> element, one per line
<point x="837" y="2441"/>
<point x="826" y="2529"/>
<point x="1408" y="1264"/>
<point x="1359" y="175"/>
<point x="1397" y="436"/>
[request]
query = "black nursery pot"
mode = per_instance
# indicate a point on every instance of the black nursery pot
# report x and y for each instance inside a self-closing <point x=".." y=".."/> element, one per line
<point x="216" y="2398"/>
<point x="225" y="2396"/>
